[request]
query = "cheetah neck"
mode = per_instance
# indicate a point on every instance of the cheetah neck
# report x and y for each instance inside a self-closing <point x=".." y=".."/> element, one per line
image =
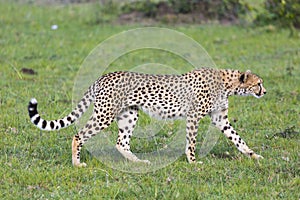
<point x="230" y="79"/>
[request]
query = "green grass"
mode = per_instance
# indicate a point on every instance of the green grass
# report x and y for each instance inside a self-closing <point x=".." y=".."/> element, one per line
<point x="37" y="165"/>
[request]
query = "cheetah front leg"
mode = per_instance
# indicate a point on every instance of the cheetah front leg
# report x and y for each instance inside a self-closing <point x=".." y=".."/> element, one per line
<point x="220" y="120"/>
<point x="126" y="122"/>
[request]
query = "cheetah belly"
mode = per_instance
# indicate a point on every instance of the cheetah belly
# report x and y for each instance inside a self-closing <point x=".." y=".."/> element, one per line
<point x="164" y="112"/>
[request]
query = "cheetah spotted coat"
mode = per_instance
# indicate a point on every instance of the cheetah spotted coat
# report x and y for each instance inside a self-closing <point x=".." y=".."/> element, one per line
<point x="119" y="95"/>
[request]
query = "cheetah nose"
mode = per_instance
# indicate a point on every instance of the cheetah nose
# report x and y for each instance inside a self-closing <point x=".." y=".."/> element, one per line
<point x="265" y="92"/>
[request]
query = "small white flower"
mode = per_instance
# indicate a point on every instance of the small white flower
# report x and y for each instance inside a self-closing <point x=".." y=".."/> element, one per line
<point x="54" y="27"/>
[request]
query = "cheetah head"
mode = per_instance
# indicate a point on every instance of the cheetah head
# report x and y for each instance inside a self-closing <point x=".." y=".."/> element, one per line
<point x="250" y="84"/>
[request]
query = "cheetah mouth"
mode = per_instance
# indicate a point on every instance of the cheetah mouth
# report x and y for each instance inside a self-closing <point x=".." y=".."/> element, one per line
<point x="258" y="95"/>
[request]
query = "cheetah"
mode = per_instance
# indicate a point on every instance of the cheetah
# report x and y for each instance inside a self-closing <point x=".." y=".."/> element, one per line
<point x="193" y="95"/>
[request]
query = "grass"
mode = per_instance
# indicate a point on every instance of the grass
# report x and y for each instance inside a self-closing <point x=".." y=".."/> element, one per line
<point x="37" y="165"/>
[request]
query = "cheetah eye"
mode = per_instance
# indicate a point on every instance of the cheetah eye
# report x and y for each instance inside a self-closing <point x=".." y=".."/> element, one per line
<point x="259" y="84"/>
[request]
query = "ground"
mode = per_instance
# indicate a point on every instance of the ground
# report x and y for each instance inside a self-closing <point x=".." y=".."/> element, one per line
<point x="37" y="61"/>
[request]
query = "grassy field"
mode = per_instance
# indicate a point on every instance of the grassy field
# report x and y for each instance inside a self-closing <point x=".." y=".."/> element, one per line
<point x="37" y="165"/>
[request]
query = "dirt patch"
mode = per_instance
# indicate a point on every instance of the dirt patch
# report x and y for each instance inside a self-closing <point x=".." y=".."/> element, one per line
<point x="171" y="18"/>
<point x="164" y="13"/>
<point x="28" y="71"/>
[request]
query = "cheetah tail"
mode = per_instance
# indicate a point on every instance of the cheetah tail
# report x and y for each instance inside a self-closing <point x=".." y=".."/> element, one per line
<point x="51" y="125"/>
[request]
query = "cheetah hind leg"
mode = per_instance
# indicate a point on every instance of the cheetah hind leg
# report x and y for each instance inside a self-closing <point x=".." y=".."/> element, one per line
<point x="76" y="147"/>
<point x="126" y="122"/>
<point x="92" y="127"/>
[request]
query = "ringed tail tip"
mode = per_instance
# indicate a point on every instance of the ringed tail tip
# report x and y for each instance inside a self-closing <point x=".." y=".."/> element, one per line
<point x="33" y="101"/>
<point x="32" y="107"/>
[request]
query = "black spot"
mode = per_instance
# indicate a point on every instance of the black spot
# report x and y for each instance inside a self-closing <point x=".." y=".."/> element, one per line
<point x="44" y="124"/>
<point x="69" y="119"/>
<point x="230" y="138"/>
<point x="37" y="120"/>
<point x="85" y="137"/>
<point x="52" y="125"/>
<point x="62" y="123"/>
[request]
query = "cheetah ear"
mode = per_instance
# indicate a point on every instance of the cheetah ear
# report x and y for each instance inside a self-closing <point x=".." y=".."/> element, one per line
<point x="244" y="76"/>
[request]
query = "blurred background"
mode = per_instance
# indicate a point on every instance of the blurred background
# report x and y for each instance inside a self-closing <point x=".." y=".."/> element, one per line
<point x="279" y="13"/>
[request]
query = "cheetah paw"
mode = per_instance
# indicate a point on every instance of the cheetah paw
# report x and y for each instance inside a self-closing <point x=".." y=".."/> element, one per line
<point x="257" y="156"/>
<point x="145" y="161"/>
<point x="81" y="165"/>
